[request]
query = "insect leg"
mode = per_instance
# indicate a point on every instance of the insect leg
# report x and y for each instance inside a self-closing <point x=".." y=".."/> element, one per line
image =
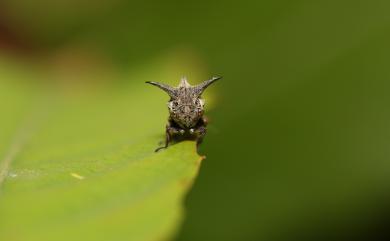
<point x="200" y="133"/>
<point x="167" y="139"/>
<point x="170" y="131"/>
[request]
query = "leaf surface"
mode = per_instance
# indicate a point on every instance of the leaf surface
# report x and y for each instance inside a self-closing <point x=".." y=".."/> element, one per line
<point x="82" y="166"/>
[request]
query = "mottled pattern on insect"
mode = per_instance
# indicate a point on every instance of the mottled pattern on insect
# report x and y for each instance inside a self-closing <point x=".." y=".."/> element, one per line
<point x="186" y="108"/>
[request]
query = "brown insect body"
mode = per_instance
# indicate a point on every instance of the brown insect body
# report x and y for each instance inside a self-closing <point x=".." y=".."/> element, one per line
<point x="186" y="109"/>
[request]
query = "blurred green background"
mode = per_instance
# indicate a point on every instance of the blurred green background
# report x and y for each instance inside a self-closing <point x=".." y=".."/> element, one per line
<point x="298" y="144"/>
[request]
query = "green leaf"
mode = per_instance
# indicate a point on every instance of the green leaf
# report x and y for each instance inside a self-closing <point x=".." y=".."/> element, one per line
<point x="79" y="164"/>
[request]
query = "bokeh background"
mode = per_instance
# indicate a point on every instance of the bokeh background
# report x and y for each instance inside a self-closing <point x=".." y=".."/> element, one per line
<point x="298" y="145"/>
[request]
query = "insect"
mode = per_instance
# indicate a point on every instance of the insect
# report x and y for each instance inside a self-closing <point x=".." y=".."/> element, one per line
<point x="186" y="108"/>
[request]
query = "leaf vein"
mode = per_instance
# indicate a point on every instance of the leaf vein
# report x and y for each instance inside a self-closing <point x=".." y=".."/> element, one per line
<point x="21" y="137"/>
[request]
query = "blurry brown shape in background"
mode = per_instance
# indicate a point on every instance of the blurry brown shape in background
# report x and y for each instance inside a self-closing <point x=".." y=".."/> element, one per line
<point x="10" y="38"/>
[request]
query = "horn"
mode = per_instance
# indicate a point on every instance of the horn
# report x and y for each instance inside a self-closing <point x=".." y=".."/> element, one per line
<point x="168" y="89"/>
<point x="202" y="86"/>
<point x="184" y="83"/>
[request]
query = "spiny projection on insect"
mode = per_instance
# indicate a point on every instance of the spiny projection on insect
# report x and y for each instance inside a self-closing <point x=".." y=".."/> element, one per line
<point x="186" y="108"/>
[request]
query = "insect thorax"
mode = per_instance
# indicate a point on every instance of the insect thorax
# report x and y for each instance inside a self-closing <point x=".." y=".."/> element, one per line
<point x="186" y="105"/>
<point x="186" y="110"/>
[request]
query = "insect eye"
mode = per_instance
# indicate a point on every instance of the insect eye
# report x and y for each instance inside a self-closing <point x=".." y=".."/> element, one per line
<point x="172" y="105"/>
